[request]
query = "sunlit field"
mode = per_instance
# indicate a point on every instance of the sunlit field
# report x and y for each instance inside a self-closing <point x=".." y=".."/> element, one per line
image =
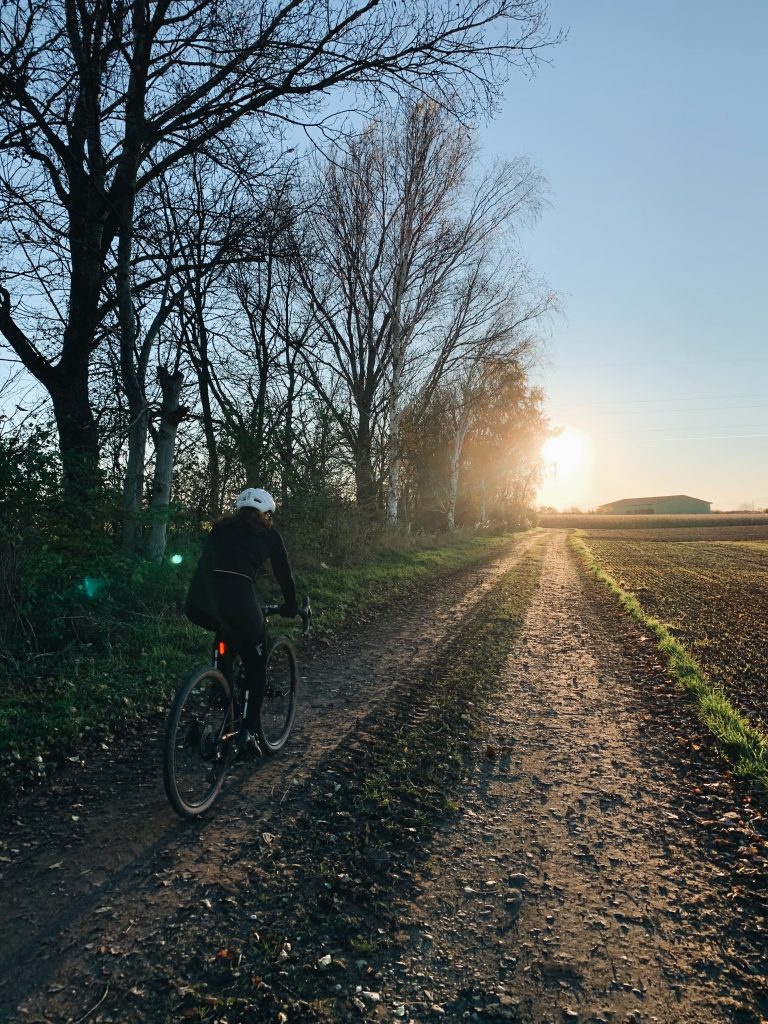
<point x="709" y="585"/>
<point x="739" y="525"/>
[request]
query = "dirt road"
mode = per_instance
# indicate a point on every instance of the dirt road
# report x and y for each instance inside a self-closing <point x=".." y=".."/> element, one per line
<point x="596" y="864"/>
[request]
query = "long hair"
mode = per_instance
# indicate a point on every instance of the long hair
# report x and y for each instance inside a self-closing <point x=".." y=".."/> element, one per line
<point x="248" y="518"/>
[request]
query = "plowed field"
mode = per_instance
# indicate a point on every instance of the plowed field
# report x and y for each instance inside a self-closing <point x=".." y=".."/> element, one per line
<point x="712" y="594"/>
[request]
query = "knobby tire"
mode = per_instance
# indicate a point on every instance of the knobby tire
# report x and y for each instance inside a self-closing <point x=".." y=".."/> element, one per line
<point x="277" y="708"/>
<point x="198" y="742"/>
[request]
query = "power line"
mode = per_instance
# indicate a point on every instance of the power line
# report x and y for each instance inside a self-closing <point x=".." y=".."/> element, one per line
<point x="666" y="412"/>
<point x="676" y="398"/>
<point x="660" y="362"/>
<point x="703" y="426"/>
<point x="711" y="437"/>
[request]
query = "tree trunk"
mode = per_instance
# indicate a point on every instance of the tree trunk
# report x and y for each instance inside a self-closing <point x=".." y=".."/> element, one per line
<point x="395" y="461"/>
<point x="393" y="427"/>
<point x="288" y="453"/>
<point x="68" y="381"/>
<point x="67" y="384"/>
<point x="195" y="332"/>
<point x="365" y="483"/>
<point x="76" y="426"/>
<point x="171" y="415"/>
<point x="133" y="485"/>
<point x="251" y="459"/>
<point x="251" y="440"/>
<point x="393" y="454"/>
<point x="214" y="470"/>
<point x="397" y="343"/>
<point x="133" y="371"/>
<point x="453" y="486"/>
<point x="213" y="502"/>
<point x="393" y="489"/>
<point x="365" y="480"/>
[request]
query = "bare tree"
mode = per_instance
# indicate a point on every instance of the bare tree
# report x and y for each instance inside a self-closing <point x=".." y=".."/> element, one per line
<point x="469" y="439"/>
<point x="343" y="270"/>
<point x="409" y="273"/>
<point x="196" y="223"/>
<point x="99" y="99"/>
<point x="277" y="328"/>
<point x="242" y="363"/>
<point x="501" y="454"/>
<point x="471" y="392"/>
<point x="261" y="420"/>
<point x="172" y="412"/>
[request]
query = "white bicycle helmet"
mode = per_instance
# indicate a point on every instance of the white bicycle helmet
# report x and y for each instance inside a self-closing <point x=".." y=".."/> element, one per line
<point x="256" y="497"/>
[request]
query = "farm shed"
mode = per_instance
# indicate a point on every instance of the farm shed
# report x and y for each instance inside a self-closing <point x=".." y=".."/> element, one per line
<point x="670" y="504"/>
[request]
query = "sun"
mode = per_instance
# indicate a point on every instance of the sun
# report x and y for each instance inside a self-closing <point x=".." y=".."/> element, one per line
<point x="565" y="454"/>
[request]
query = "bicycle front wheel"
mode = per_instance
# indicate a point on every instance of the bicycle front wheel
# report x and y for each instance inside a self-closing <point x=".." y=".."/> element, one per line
<point x="199" y="735"/>
<point x="278" y="704"/>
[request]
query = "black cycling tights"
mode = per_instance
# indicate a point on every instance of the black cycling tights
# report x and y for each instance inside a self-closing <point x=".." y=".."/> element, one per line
<point x="237" y="620"/>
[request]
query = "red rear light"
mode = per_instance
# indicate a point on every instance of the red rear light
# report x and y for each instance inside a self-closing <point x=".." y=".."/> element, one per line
<point x="222" y="648"/>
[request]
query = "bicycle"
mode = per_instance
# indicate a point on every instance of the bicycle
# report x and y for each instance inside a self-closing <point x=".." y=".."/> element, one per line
<point x="206" y="717"/>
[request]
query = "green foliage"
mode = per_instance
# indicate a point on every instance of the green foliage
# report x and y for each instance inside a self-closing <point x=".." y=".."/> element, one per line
<point x="349" y="592"/>
<point x="63" y="581"/>
<point x="104" y="642"/>
<point x="29" y="488"/>
<point x="95" y="641"/>
<point x="29" y="479"/>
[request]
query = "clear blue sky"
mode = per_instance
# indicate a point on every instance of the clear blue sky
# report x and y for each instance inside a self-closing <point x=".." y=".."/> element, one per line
<point x="650" y="127"/>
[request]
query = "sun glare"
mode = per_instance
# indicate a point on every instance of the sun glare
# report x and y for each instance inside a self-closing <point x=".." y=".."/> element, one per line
<point x="565" y="453"/>
<point x="567" y="458"/>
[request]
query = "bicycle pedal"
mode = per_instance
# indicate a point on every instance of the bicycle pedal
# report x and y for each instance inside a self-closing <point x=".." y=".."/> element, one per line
<point x="248" y="747"/>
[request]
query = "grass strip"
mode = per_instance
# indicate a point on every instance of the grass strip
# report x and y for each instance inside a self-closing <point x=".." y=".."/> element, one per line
<point x="339" y="594"/>
<point x="59" y="708"/>
<point x="330" y="897"/>
<point x="740" y="742"/>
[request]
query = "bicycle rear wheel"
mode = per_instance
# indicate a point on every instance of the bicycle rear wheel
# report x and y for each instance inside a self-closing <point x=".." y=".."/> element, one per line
<point x="278" y="704"/>
<point x="199" y="736"/>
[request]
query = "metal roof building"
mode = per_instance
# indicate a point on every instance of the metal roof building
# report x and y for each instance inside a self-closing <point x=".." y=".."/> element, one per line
<point x="669" y="504"/>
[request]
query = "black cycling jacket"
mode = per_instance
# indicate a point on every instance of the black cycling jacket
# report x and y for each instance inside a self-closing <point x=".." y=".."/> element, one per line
<point x="231" y="548"/>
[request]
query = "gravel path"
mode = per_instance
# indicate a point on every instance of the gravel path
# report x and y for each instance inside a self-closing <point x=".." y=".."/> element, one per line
<point x="597" y="869"/>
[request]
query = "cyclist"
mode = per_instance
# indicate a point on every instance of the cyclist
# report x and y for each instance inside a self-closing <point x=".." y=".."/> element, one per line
<point x="222" y="595"/>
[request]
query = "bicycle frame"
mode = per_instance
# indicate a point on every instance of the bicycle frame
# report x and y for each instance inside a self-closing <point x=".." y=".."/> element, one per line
<point x="222" y="659"/>
<point x="222" y="656"/>
<point x="199" y="741"/>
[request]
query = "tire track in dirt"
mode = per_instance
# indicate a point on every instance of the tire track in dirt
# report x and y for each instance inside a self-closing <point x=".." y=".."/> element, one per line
<point x="96" y="857"/>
